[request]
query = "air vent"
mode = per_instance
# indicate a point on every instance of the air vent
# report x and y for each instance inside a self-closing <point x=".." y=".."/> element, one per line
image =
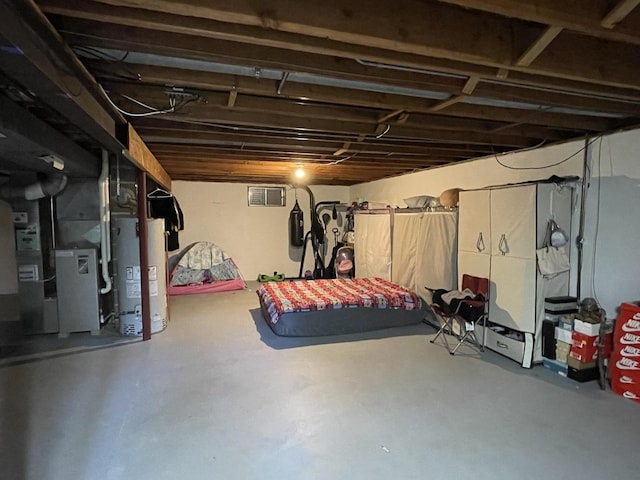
<point x="267" y="196"/>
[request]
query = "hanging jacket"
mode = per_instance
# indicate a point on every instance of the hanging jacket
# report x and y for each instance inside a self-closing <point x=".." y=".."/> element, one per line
<point x="163" y="205"/>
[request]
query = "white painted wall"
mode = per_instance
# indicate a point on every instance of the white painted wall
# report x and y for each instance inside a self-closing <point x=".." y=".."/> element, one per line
<point x="612" y="227"/>
<point x="612" y="219"/>
<point x="257" y="238"/>
<point x="478" y="173"/>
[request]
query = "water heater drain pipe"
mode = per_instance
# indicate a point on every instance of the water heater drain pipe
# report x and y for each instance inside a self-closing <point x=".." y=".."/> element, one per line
<point x="105" y="223"/>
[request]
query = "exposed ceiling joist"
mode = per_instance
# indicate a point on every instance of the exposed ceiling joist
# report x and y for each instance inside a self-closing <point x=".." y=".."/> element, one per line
<point x="246" y="90"/>
<point x="618" y="12"/>
<point x="576" y="15"/>
<point x="421" y="28"/>
<point x="536" y="48"/>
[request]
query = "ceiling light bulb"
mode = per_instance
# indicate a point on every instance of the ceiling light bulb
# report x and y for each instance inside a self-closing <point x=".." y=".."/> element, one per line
<point x="299" y="172"/>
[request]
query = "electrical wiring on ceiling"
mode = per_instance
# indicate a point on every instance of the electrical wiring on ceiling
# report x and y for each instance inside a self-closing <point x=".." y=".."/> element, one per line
<point x="543" y="166"/>
<point x="174" y="106"/>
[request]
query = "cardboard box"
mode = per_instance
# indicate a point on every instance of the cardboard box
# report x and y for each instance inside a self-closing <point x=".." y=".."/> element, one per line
<point x="626" y="338"/>
<point x="584" y="348"/>
<point x="582" y="340"/>
<point x="625" y="383"/>
<point x="585" y="375"/>
<point x="628" y="320"/>
<point x="562" y="351"/>
<point x="566" y="323"/>
<point x="586" y="328"/>
<point x="563" y="335"/>
<point x="548" y="339"/>
<point x="583" y="355"/>
<point x="564" y="304"/>
<point x="578" y="365"/>
<point x="630" y="379"/>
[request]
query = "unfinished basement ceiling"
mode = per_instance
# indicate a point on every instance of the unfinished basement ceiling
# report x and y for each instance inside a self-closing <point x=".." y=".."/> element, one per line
<point x="355" y="91"/>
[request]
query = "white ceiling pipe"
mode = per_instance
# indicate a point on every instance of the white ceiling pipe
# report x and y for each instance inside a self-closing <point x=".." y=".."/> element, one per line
<point x="105" y="223"/>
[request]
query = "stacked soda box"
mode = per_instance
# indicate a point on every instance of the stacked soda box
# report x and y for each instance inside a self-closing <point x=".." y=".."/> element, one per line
<point x="557" y="328"/>
<point x="624" y="364"/>
<point x="569" y="344"/>
<point x="583" y="353"/>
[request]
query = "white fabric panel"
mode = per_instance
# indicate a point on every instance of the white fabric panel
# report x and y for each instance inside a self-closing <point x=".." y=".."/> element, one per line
<point x="513" y="214"/>
<point x="513" y="292"/>
<point x="407" y="228"/>
<point x="436" y="252"/>
<point x="372" y="245"/>
<point x="476" y="264"/>
<point x="474" y="213"/>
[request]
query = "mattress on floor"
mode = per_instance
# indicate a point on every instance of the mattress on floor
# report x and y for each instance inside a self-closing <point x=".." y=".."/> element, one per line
<point x="309" y="308"/>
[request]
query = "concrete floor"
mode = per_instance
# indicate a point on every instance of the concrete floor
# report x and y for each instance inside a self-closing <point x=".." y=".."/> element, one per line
<point x="219" y="396"/>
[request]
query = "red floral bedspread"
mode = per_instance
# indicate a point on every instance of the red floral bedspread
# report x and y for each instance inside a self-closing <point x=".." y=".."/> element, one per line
<point x="301" y="296"/>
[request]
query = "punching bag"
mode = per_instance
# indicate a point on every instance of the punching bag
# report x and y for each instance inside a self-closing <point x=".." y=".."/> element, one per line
<point x="296" y="226"/>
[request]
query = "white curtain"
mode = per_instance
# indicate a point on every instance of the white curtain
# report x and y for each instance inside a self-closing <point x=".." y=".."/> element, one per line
<point x="372" y="245"/>
<point x="423" y="253"/>
<point x="436" y="265"/>
<point x="406" y="232"/>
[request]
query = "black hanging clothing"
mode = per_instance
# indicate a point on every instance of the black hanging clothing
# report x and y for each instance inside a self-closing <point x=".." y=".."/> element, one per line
<point x="164" y="205"/>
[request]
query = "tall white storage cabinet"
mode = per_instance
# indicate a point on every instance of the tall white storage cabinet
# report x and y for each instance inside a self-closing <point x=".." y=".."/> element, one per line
<point x="499" y="231"/>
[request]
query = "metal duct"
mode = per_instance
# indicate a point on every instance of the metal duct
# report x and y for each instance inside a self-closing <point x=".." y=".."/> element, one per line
<point x="49" y="186"/>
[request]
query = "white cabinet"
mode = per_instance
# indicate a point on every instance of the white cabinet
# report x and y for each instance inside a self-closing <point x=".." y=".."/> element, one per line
<point x="499" y="231"/>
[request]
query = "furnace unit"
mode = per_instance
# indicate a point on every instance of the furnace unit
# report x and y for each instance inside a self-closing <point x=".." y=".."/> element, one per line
<point x="77" y="286"/>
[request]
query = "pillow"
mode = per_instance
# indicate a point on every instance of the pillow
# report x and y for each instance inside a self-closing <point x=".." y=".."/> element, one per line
<point x="419" y="201"/>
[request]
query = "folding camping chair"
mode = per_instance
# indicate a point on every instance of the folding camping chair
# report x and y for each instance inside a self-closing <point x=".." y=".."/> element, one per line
<point x="466" y="313"/>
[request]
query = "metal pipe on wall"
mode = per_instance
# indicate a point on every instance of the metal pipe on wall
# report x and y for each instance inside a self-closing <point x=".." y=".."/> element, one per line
<point x="141" y="178"/>
<point x="583" y="196"/>
<point x="105" y="223"/>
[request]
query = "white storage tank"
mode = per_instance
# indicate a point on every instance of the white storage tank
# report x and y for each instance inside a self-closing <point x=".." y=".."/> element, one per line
<point x="127" y="256"/>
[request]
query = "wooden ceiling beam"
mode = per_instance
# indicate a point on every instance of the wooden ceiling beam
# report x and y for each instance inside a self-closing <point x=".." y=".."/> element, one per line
<point x="470" y="85"/>
<point x="337" y="96"/>
<point x="203" y="49"/>
<point x="618" y="13"/>
<point x="199" y="134"/>
<point x="233" y="95"/>
<point x="447" y="103"/>
<point x="322" y="46"/>
<point x="576" y="15"/>
<point x="230" y="159"/>
<point x="248" y="109"/>
<point x="421" y="28"/>
<point x="172" y="148"/>
<point x="536" y="48"/>
<point x="157" y="138"/>
<point x="306" y="110"/>
<point x="258" y="120"/>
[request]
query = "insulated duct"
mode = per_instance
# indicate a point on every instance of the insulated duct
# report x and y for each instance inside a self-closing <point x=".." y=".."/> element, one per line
<point x="49" y="186"/>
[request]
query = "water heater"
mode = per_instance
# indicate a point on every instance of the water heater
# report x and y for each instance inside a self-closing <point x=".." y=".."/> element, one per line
<point x="127" y="257"/>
